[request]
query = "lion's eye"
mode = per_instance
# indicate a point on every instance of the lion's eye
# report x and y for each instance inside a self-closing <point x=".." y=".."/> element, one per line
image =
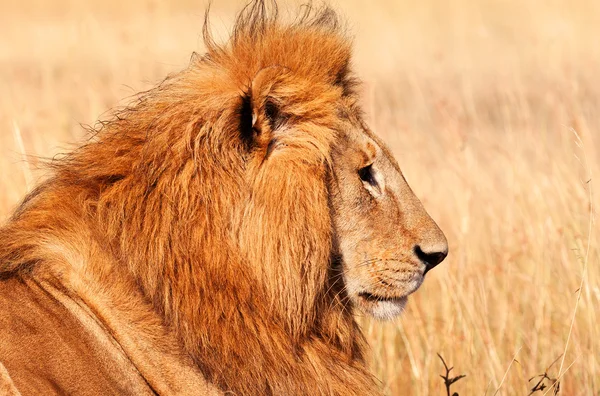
<point x="366" y="175"/>
<point x="372" y="180"/>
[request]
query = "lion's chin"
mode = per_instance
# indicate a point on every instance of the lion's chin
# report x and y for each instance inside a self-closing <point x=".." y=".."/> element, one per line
<point x="382" y="309"/>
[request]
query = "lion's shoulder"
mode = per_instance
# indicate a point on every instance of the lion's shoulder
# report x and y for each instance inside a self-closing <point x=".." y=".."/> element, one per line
<point x="46" y="348"/>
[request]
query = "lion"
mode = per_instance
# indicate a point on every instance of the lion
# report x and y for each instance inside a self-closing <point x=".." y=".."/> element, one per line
<point x="217" y="235"/>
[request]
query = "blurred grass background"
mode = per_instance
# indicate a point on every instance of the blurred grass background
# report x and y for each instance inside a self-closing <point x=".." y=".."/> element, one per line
<point x="492" y="109"/>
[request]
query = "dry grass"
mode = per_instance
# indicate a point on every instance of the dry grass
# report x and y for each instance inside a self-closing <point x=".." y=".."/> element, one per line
<point x="478" y="99"/>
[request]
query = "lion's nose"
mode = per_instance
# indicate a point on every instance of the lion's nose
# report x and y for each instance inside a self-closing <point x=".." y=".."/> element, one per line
<point x="431" y="257"/>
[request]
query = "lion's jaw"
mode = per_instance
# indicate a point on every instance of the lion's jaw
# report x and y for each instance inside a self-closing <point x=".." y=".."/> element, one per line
<point x="382" y="305"/>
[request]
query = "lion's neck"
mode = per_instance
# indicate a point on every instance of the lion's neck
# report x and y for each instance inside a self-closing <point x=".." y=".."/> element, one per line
<point x="250" y="332"/>
<point x="251" y="354"/>
<point x="227" y="321"/>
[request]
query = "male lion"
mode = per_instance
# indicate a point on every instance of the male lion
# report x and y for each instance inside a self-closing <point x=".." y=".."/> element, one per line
<point x="217" y="235"/>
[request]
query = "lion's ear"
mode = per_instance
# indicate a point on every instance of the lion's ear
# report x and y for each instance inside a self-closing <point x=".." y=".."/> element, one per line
<point x="260" y="112"/>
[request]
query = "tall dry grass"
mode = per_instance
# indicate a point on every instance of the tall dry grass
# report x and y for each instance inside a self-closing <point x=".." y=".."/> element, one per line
<point x="492" y="108"/>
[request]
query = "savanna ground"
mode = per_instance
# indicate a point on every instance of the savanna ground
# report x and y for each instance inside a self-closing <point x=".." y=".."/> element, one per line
<point x="492" y="108"/>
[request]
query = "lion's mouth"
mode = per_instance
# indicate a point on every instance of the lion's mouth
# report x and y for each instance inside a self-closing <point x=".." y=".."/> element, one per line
<point x="377" y="298"/>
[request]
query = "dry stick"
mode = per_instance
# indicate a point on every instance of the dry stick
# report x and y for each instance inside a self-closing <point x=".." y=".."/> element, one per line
<point x="507" y="369"/>
<point x="448" y="381"/>
<point x="21" y="147"/>
<point x="579" y="143"/>
<point x="543" y="377"/>
<point x="560" y="376"/>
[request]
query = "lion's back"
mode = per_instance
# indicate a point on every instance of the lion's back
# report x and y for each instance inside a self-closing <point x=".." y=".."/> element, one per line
<point x="47" y="349"/>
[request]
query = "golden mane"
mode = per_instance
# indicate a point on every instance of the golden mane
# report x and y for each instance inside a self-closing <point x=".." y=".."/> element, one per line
<point x="238" y="266"/>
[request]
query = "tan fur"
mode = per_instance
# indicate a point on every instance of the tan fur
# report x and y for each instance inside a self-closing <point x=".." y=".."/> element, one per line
<point x="7" y="386"/>
<point x="212" y="236"/>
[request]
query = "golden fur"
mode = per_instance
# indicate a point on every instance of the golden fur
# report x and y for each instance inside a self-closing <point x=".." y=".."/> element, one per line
<point x="213" y="226"/>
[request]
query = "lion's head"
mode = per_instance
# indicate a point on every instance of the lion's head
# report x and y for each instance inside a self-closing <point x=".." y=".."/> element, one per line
<point x="301" y="120"/>
<point x="386" y="240"/>
<point x="382" y="240"/>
